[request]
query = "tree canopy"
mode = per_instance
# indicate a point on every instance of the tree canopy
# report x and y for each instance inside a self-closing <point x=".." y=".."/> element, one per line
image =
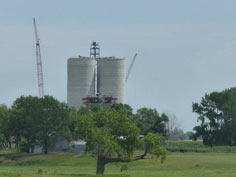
<point x="38" y="121"/>
<point x="111" y="132"/>
<point x="112" y="135"/>
<point x="217" y="117"/>
<point x="4" y="122"/>
<point x="149" y="120"/>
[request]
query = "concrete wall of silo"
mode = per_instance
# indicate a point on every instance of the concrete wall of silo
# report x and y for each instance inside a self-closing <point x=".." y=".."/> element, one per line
<point x="80" y="80"/>
<point x="111" y="78"/>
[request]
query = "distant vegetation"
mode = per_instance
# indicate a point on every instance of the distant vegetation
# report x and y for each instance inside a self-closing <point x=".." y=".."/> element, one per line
<point x="196" y="146"/>
<point x="217" y="118"/>
<point x="33" y="121"/>
<point x="112" y="133"/>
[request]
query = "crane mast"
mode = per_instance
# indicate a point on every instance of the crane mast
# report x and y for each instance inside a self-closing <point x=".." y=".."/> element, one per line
<point x="130" y="67"/>
<point x="39" y="62"/>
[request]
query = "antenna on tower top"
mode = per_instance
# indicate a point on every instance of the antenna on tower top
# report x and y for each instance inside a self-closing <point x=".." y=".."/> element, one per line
<point x="95" y="53"/>
<point x="95" y="50"/>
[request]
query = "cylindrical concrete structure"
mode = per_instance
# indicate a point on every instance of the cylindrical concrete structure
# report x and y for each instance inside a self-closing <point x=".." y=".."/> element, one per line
<point x="111" y="78"/>
<point x="80" y="80"/>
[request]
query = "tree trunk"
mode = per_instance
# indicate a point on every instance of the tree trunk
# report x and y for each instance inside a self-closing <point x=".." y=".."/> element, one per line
<point x="46" y="149"/>
<point x="32" y="149"/>
<point x="17" y="143"/>
<point x="100" y="165"/>
<point x="45" y="145"/>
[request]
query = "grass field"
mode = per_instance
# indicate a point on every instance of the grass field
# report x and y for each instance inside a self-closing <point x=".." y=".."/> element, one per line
<point x="189" y="164"/>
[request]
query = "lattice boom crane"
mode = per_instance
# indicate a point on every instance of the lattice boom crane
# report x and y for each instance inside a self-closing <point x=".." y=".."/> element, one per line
<point x="39" y="63"/>
<point x="131" y="66"/>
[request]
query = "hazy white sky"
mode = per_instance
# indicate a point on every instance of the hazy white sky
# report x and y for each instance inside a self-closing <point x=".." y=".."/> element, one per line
<point x="186" y="48"/>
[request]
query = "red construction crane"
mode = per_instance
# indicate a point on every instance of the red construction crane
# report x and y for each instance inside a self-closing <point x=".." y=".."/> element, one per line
<point x="39" y="62"/>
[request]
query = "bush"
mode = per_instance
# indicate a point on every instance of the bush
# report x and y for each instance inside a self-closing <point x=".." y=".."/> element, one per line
<point x="185" y="144"/>
<point x="195" y="146"/>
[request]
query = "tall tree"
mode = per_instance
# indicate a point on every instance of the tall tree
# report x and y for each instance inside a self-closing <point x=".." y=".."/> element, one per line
<point x="85" y="110"/>
<point x="39" y="121"/>
<point x="4" y="126"/>
<point x="217" y="117"/>
<point x="120" y="106"/>
<point x="113" y="137"/>
<point x="25" y="120"/>
<point x="73" y="114"/>
<point x="149" y="120"/>
<point x="55" y="121"/>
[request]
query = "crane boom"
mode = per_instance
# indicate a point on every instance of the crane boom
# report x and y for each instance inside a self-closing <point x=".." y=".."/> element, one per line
<point x="131" y="66"/>
<point x="39" y="62"/>
<point x="35" y="31"/>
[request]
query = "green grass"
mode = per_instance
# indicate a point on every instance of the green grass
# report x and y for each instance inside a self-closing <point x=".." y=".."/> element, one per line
<point x="211" y="164"/>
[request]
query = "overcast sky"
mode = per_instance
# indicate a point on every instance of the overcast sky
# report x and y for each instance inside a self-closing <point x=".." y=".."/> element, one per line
<point x="186" y="48"/>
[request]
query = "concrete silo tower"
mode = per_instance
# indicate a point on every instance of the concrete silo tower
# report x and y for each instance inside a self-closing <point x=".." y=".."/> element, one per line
<point x="95" y="78"/>
<point x="111" y="76"/>
<point x="80" y="79"/>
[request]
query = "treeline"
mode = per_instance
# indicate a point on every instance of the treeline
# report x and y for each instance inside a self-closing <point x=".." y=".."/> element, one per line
<point x="32" y="121"/>
<point x="111" y="133"/>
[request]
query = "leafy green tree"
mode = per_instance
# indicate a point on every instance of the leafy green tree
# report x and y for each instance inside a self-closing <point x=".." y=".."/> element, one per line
<point x="217" y="117"/>
<point x="149" y="120"/>
<point x="73" y="114"/>
<point x="85" y="110"/>
<point x="39" y="121"/>
<point x="26" y="119"/>
<point x="153" y="144"/>
<point x="55" y="121"/>
<point x="188" y="135"/>
<point x="4" y="129"/>
<point x="120" y="106"/>
<point x="112" y="136"/>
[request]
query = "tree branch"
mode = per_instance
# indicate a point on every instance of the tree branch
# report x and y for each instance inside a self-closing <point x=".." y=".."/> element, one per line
<point x="113" y="160"/>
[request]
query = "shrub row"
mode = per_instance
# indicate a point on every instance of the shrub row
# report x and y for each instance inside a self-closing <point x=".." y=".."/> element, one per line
<point x="195" y="146"/>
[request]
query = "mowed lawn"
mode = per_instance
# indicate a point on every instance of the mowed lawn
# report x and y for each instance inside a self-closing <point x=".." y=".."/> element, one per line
<point x="72" y="165"/>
